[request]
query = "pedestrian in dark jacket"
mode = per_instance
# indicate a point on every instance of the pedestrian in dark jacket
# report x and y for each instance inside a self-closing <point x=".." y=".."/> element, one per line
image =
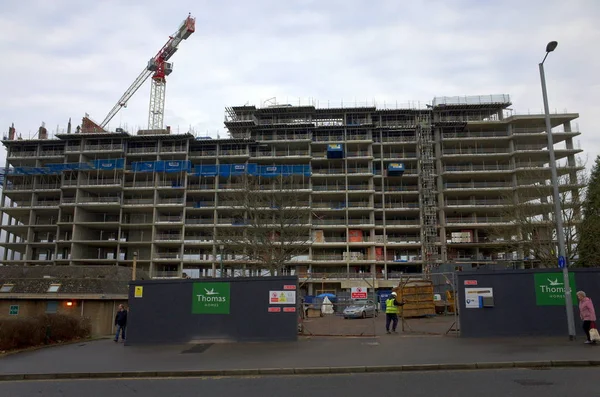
<point x="121" y="323"/>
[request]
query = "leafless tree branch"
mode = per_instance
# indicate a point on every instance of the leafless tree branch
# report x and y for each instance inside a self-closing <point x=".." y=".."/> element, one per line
<point x="271" y="222"/>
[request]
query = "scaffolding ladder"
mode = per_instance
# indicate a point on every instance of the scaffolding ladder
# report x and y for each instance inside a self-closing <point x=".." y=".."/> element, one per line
<point x="427" y="196"/>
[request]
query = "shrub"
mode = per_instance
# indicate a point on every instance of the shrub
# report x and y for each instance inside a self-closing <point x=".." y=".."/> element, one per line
<point x="18" y="333"/>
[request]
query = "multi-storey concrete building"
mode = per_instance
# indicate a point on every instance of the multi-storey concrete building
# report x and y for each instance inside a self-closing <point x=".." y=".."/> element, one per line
<point x="390" y="190"/>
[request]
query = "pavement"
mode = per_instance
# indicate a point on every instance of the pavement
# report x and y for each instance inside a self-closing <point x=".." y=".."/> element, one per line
<point x="490" y="383"/>
<point x="104" y="358"/>
<point x="375" y="326"/>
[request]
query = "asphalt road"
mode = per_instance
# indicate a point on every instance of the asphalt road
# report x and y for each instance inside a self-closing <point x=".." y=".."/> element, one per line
<point x="515" y="383"/>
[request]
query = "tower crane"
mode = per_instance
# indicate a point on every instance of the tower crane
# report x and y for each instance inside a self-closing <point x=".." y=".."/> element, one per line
<point x="158" y="68"/>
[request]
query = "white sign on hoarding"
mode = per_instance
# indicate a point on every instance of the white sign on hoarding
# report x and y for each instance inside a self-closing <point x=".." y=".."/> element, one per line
<point x="358" y="293"/>
<point x="282" y="297"/>
<point x="473" y="297"/>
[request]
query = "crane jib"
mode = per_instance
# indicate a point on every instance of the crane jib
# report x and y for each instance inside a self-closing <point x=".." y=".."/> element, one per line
<point x="158" y="67"/>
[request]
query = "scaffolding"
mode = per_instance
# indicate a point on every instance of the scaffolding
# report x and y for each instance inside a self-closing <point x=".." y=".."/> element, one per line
<point x="428" y="202"/>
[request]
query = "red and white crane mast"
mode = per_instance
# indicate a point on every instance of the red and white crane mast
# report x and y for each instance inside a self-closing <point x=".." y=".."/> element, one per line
<point x="158" y="68"/>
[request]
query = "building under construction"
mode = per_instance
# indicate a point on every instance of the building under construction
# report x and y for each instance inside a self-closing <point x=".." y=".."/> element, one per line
<point x="390" y="191"/>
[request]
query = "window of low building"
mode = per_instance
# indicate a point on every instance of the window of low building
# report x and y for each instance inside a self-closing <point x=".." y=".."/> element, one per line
<point x="51" y="307"/>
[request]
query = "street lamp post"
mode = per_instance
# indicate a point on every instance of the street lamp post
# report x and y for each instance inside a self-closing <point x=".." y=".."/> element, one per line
<point x="221" y="248"/>
<point x="560" y="232"/>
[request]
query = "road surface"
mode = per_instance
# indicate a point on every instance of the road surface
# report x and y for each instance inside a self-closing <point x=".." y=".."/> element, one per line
<point x="491" y="383"/>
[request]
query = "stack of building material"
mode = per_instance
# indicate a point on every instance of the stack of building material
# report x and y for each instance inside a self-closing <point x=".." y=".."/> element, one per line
<point x="418" y="298"/>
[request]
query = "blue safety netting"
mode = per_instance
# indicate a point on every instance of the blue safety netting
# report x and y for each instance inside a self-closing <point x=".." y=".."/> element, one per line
<point x="252" y="169"/>
<point x="147" y="166"/>
<point x="57" y="167"/>
<point x="283" y="170"/>
<point x="108" y="165"/>
<point x="177" y="166"/>
<point x="205" y="170"/>
<point x="169" y="166"/>
<point x="162" y="166"/>
<point x="226" y="170"/>
<point x="77" y="166"/>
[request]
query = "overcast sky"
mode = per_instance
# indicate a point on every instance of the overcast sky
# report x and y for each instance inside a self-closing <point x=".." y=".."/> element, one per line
<point x="63" y="58"/>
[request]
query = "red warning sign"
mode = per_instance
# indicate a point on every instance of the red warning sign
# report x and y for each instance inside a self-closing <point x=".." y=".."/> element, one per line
<point x="274" y="298"/>
<point x="274" y="310"/>
<point x="358" y="293"/>
<point x="289" y="309"/>
<point x="289" y="287"/>
<point x="470" y="282"/>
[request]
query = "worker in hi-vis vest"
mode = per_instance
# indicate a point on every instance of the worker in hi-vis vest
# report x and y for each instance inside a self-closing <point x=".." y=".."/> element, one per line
<point x="392" y="308"/>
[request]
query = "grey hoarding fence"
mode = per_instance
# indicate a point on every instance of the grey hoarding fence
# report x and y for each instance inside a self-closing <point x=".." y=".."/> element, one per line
<point x="223" y="309"/>
<point x="521" y="302"/>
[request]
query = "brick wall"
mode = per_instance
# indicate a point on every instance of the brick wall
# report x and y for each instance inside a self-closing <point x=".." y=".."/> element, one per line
<point x="101" y="313"/>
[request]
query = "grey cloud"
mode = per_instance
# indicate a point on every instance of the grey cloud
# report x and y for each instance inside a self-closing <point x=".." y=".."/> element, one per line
<point x="65" y="59"/>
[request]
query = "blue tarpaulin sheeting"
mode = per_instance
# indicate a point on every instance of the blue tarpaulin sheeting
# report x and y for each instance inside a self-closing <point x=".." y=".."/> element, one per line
<point x="269" y="170"/>
<point x="205" y="170"/>
<point x="232" y="169"/>
<point x="284" y="170"/>
<point x="252" y="169"/>
<point x="335" y="151"/>
<point x="177" y="166"/>
<point x="33" y="171"/>
<point x="23" y="171"/>
<point x="145" y="166"/>
<point x="77" y="166"/>
<point x="301" y="170"/>
<point x="57" y="167"/>
<point x="41" y="171"/>
<point x="112" y="164"/>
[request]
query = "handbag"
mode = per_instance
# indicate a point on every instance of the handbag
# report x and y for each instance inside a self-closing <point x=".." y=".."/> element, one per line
<point x="594" y="335"/>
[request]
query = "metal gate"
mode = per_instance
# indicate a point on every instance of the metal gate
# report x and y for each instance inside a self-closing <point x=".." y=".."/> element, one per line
<point x="337" y="314"/>
<point x="342" y="316"/>
<point x="440" y="315"/>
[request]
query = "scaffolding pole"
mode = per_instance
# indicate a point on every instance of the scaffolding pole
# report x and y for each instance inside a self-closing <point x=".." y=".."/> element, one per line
<point x="428" y="199"/>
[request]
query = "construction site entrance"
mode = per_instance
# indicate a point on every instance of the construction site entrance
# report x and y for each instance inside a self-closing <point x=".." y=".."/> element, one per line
<point x="359" y="311"/>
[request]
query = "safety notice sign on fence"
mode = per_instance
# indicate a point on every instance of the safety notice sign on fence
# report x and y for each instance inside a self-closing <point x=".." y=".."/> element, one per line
<point x="282" y="297"/>
<point x="358" y="293"/>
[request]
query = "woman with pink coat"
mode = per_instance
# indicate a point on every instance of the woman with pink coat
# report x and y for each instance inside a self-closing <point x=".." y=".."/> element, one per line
<point x="587" y="314"/>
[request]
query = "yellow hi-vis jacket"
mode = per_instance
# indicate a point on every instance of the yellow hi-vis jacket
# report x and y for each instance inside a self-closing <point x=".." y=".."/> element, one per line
<point x="390" y="308"/>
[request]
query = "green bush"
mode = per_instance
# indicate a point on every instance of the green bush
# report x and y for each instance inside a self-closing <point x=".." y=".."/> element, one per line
<point x="19" y="333"/>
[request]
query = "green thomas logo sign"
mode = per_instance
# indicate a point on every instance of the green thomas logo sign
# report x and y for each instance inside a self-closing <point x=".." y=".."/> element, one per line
<point x="550" y="289"/>
<point x="211" y="298"/>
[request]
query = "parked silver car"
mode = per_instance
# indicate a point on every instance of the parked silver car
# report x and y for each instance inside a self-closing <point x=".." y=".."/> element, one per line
<point x="361" y="309"/>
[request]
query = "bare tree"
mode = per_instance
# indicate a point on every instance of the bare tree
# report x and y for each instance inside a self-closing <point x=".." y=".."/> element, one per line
<point x="531" y="212"/>
<point x="589" y="247"/>
<point x="270" y="224"/>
